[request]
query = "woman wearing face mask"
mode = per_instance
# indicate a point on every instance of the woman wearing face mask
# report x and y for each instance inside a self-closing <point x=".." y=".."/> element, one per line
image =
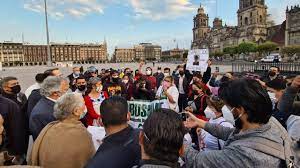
<point x="197" y="100"/>
<point x="128" y="85"/>
<point x="213" y="112"/>
<point x="169" y="94"/>
<point x="65" y="139"/>
<point x="258" y="139"/>
<point x="93" y="99"/>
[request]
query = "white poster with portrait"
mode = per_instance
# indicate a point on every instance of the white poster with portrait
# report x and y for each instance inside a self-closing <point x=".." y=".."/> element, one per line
<point x="197" y="60"/>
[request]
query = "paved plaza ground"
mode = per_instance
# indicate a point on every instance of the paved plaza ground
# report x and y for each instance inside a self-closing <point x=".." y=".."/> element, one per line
<point x="26" y="74"/>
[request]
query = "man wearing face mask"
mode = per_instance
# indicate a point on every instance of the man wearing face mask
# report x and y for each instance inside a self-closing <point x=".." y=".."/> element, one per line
<point x="51" y="89"/>
<point x="80" y="85"/>
<point x="274" y="73"/>
<point x="115" y="87"/>
<point x="72" y="78"/>
<point x="258" y="139"/>
<point x="11" y="89"/>
<point x="275" y="90"/>
<point x="159" y="77"/>
<point x="182" y="85"/>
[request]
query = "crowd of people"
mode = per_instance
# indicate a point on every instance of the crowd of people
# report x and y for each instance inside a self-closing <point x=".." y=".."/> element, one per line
<point x="206" y="119"/>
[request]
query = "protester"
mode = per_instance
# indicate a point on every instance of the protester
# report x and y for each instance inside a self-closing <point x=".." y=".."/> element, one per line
<point x="53" y="72"/>
<point x="161" y="140"/>
<point x="39" y="78"/>
<point x="128" y="72"/>
<point x="93" y="99"/>
<point x="128" y="85"/>
<point x="290" y="105"/>
<point x="275" y="90"/>
<point x="142" y="90"/>
<point x="167" y="72"/>
<point x="159" y="77"/>
<point x="182" y="85"/>
<point x="115" y="87"/>
<point x="120" y="147"/>
<point x="273" y="73"/>
<point x="169" y="94"/>
<point x="80" y="85"/>
<point x="91" y="72"/>
<point x="51" y="89"/>
<point x="258" y="140"/>
<point x="66" y="142"/>
<point x="14" y="141"/>
<point x="197" y="79"/>
<point x="197" y="100"/>
<point x="72" y="78"/>
<point x="12" y="90"/>
<point x="213" y="112"/>
<point x="151" y="78"/>
<point x="225" y="78"/>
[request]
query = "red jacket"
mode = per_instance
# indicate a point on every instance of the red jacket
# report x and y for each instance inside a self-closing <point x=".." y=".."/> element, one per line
<point x="91" y="113"/>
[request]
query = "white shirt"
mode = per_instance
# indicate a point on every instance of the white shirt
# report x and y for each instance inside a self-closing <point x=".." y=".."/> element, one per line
<point x="210" y="142"/>
<point x="31" y="88"/>
<point x="173" y="91"/>
<point x="180" y="85"/>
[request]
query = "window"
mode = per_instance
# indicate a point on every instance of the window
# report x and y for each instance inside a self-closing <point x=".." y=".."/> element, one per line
<point x="241" y="20"/>
<point x="260" y="19"/>
<point x="246" y="21"/>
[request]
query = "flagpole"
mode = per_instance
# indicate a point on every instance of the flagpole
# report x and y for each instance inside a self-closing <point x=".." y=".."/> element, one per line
<point x="49" y="62"/>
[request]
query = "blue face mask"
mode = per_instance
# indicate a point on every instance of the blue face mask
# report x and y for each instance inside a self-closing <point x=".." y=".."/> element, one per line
<point x="83" y="114"/>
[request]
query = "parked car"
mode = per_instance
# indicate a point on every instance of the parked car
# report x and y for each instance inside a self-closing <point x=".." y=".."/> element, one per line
<point x="272" y="58"/>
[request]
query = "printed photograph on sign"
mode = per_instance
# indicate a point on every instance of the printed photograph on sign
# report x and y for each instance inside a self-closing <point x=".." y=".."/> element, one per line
<point x="197" y="60"/>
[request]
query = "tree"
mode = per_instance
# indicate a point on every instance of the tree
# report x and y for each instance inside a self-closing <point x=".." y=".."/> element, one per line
<point x="246" y="48"/>
<point x="267" y="47"/>
<point x="231" y="50"/>
<point x="290" y="51"/>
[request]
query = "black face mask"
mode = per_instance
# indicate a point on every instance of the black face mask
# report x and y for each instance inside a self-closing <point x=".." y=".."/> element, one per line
<point x="81" y="88"/>
<point x="195" y="92"/>
<point x="115" y="80"/>
<point x="16" y="89"/>
<point x="272" y="74"/>
<point x="181" y="73"/>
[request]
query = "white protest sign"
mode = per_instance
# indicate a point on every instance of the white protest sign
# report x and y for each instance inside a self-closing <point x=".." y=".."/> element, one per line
<point x="98" y="133"/>
<point x="197" y="60"/>
<point x="140" y="110"/>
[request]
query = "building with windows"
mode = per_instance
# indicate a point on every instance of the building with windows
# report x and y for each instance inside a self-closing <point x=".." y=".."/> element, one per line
<point x="124" y="54"/>
<point x="11" y="53"/>
<point x="292" y="31"/>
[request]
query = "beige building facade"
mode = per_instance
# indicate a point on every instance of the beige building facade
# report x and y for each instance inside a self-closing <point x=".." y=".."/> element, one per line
<point x="292" y="31"/>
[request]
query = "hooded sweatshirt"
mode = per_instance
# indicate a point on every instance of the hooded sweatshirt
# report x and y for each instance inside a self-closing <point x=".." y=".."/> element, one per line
<point x="261" y="147"/>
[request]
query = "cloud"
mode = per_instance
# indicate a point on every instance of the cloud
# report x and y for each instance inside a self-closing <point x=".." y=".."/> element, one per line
<point x="161" y="9"/>
<point x="58" y="9"/>
<point x="277" y="11"/>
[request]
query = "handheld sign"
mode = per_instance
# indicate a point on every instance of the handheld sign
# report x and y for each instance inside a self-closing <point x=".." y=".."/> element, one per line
<point x="140" y="110"/>
<point x="197" y="60"/>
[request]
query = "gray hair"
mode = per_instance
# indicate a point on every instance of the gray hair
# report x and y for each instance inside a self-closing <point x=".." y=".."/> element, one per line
<point x="51" y="84"/>
<point x="66" y="105"/>
<point x="94" y="80"/>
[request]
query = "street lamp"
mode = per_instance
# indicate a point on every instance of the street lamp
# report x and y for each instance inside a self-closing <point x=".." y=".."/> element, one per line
<point x="49" y="62"/>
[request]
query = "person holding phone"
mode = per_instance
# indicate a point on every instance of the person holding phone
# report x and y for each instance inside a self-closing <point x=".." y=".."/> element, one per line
<point x="142" y="90"/>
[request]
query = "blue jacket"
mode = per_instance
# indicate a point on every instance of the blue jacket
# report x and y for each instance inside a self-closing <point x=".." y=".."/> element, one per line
<point x="41" y="115"/>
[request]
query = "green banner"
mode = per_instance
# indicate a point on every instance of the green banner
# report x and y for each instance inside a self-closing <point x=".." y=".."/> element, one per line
<point x="140" y="110"/>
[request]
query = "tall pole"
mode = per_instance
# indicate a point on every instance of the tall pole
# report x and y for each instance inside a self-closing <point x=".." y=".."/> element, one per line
<point x="49" y="62"/>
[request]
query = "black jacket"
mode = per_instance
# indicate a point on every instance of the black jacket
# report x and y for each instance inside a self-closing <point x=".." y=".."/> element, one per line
<point x="41" y="115"/>
<point x="72" y="85"/>
<point x="185" y="83"/>
<point x="120" y="150"/>
<point x="159" y="78"/>
<point x="15" y="132"/>
<point x="33" y="99"/>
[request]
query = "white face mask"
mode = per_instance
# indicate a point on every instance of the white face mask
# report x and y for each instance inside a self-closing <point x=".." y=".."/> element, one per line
<point x="209" y="113"/>
<point x="273" y="98"/>
<point x="125" y="81"/>
<point x="166" y="74"/>
<point x="159" y="71"/>
<point x="99" y="89"/>
<point x="228" y="116"/>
